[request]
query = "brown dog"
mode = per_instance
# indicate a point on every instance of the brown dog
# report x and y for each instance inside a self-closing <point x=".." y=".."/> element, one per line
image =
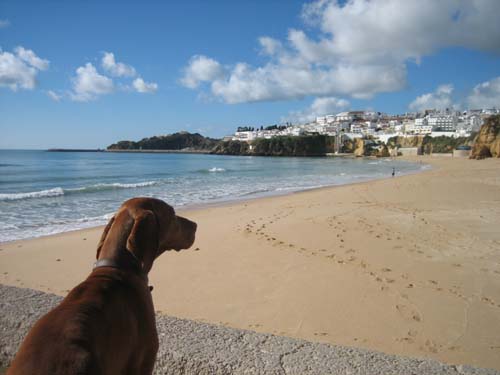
<point x="106" y="325"/>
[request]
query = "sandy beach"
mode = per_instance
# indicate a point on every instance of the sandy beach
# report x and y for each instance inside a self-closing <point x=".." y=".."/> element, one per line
<point x="407" y="265"/>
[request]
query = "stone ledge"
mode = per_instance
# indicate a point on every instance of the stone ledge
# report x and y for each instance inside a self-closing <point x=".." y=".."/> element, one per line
<point x="189" y="347"/>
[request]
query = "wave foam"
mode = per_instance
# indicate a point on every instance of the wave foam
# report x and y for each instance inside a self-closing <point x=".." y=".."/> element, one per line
<point x="58" y="191"/>
<point x="55" y="192"/>
<point x="215" y="169"/>
<point x="111" y="186"/>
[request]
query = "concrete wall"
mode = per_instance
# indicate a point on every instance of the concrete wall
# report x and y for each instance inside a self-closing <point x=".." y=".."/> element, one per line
<point x="461" y="153"/>
<point x="408" y="151"/>
<point x="188" y="347"/>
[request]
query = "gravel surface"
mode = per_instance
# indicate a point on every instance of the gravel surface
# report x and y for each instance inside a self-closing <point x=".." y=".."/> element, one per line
<point x="189" y="347"/>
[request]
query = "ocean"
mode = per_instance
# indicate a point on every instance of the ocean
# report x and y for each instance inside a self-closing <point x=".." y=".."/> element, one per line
<point x="43" y="193"/>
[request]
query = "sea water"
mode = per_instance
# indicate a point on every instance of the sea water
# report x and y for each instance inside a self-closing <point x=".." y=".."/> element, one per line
<point x="44" y="193"/>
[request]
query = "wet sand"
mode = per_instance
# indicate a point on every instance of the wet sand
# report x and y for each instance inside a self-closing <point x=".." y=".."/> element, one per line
<point x="407" y="265"/>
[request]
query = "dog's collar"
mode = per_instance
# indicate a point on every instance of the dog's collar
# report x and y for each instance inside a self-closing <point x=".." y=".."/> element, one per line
<point x="128" y="262"/>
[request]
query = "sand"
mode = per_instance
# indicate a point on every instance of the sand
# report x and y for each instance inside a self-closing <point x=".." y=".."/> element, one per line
<point x="407" y="265"/>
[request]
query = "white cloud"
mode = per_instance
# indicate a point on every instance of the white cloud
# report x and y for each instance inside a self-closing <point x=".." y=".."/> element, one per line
<point x="201" y="69"/>
<point x="117" y="69"/>
<point x="88" y="84"/>
<point x="4" y="24"/>
<point x="19" y="70"/>
<point x="144" y="87"/>
<point x="270" y="46"/>
<point x="280" y="82"/>
<point x="54" y="96"/>
<point x="485" y="95"/>
<point x="440" y="99"/>
<point x="319" y="107"/>
<point x="361" y="49"/>
<point x="31" y="58"/>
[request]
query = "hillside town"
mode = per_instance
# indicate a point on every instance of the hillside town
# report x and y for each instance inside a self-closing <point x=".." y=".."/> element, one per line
<point x="376" y="125"/>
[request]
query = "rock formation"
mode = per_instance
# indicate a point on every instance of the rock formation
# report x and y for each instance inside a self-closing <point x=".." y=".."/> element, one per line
<point x="487" y="142"/>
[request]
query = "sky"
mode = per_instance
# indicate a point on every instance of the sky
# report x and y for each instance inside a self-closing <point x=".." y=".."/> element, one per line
<point x="85" y="74"/>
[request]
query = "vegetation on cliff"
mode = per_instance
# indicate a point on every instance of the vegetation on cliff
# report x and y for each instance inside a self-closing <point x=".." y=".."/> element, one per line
<point x="487" y="142"/>
<point x="176" y="141"/>
<point x="310" y="145"/>
<point x="231" y="148"/>
<point x="429" y="145"/>
<point x="365" y="147"/>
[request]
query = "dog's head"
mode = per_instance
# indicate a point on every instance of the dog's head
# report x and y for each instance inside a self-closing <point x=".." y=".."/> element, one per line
<point x="146" y="227"/>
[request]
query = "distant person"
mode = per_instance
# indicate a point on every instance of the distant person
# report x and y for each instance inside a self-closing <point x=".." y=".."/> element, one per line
<point x="393" y="171"/>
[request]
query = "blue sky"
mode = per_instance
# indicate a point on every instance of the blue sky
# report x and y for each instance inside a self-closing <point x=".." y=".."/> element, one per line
<point x="210" y="66"/>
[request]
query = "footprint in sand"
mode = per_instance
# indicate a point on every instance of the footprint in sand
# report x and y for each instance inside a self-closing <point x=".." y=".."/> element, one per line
<point x="430" y="346"/>
<point x="489" y="301"/>
<point x="409" y="338"/>
<point x="408" y="313"/>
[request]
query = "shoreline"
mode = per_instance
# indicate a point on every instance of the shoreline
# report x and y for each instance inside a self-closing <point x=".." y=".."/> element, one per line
<point x="257" y="196"/>
<point x="407" y="266"/>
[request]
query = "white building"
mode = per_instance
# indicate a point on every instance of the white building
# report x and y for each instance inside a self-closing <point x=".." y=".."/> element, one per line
<point x="321" y="120"/>
<point x="417" y="128"/>
<point x="421" y="121"/>
<point x="357" y="128"/>
<point x="246" y="136"/>
<point x="344" y="116"/>
<point x="474" y="122"/>
<point x="447" y="123"/>
<point x="292" y="131"/>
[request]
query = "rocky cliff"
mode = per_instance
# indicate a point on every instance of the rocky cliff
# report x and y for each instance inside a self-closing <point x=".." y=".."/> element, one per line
<point x="176" y="141"/>
<point x="487" y="142"/>
<point x="309" y="145"/>
<point x="366" y="147"/>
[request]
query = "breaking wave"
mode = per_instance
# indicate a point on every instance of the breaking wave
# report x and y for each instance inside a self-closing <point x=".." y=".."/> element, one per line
<point x="33" y="194"/>
<point x="58" y="191"/>
<point x="215" y="169"/>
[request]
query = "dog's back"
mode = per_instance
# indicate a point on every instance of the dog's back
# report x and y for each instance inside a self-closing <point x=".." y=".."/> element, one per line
<point x="104" y="326"/>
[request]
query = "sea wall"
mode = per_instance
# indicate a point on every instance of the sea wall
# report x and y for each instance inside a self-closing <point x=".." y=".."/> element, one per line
<point x="189" y="347"/>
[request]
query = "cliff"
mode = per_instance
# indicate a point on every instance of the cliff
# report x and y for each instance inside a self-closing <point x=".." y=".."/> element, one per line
<point x="365" y="147"/>
<point x="231" y="148"/>
<point x="487" y="142"/>
<point x="311" y="145"/>
<point x="176" y="141"/>
<point x="428" y="144"/>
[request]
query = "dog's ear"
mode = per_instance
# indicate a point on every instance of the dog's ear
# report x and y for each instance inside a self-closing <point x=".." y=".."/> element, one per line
<point x="103" y="236"/>
<point x="143" y="239"/>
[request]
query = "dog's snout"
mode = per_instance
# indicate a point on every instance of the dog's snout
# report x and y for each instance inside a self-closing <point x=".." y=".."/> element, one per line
<point x="194" y="226"/>
<point x="188" y="230"/>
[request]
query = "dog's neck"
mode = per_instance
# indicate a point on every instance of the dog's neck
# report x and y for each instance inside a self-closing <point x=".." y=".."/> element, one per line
<point x="118" y="256"/>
